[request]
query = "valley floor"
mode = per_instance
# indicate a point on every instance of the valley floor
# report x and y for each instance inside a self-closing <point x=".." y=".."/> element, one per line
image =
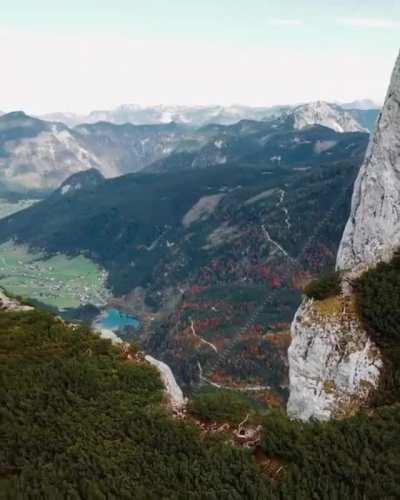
<point x="58" y="281"/>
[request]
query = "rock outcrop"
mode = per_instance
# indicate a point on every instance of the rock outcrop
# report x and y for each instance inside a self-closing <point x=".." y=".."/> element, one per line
<point x="172" y="389"/>
<point x="325" y="114"/>
<point x="333" y="365"/>
<point x="9" y="304"/>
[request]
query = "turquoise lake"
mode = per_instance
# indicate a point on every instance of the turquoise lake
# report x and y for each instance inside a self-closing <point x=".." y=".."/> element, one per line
<point x="113" y="319"/>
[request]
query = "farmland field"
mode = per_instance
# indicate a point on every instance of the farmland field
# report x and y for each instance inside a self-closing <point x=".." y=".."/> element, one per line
<point x="59" y="281"/>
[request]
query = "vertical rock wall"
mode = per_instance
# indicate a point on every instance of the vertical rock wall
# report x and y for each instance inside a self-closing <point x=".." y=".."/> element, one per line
<point x="333" y="365"/>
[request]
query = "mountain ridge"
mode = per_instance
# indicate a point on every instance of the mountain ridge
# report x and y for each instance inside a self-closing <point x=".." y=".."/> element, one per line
<point x="36" y="154"/>
<point x="226" y="247"/>
<point x="191" y="115"/>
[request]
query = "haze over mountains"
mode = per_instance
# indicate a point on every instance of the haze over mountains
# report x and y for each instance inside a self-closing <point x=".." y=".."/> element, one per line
<point x="191" y="115"/>
<point x="39" y="155"/>
<point x="361" y="104"/>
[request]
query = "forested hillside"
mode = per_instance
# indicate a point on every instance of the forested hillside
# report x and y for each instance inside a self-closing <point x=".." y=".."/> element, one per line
<point x="40" y="155"/>
<point x="79" y="420"/>
<point x="358" y="457"/>
<point x="211" y="259"/>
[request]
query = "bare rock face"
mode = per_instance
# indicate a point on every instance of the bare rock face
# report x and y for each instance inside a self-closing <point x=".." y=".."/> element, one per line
<point x="172" y="389"/>
<point x="334" y="367"/>
<point x="8" y="304"/>
<point x="327" y="115"/>
<point x="333" y="364"/>
<point x="373" y="229"/>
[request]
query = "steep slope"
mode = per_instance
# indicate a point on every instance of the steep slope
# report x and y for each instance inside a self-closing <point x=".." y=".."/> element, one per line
<point x="211" y="259"/>
<point x="168" y="147"/>
<point x="35" y="154"/>
<point x="325" y="114"/>
<point x="86" y="180"/>
<point x="373" y="229"/>
<point x="40" y="155"/>
<point x="84" y="419"/>
<point x="367" y="118"/>
<point x="129" y="148"/>
<point x="334" y="367"/>
<point x="274" y="142"/>
<point x="134" y="216"/>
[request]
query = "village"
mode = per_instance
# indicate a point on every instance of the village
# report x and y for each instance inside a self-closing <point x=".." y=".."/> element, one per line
<point x="57" y="281"/>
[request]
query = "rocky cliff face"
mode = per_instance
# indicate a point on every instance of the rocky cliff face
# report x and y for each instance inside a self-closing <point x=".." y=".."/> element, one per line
<point x="333" y="365"/>
<point x="325" y="114"/>
<point x="373" y="229"/>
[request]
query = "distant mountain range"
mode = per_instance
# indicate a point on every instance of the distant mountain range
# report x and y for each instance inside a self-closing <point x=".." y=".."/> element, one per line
<point x="328" y="115"/>
<point x="36" y="154"/>
<point x="189" y="115"/>
<point x="209" y="252"/>
<point x="361" y="104"/>
<point x="39" y="154"/>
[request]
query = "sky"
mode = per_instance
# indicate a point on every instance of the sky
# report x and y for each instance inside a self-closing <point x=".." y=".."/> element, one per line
<point x="80" y="55"/>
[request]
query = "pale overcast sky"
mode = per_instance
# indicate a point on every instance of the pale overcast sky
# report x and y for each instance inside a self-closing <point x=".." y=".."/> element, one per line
<point x="79" y="55"/>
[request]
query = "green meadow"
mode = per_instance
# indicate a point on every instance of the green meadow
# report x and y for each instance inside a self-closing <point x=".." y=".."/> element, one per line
<point x="59" y="281"/>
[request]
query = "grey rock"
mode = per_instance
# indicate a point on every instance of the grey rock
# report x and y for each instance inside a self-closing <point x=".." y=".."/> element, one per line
<point x="334" y="367"/>
<point x="373" y="229"/>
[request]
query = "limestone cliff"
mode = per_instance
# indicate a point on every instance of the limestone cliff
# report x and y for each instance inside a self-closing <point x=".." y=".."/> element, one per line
<point x="373" y="229"/>
<point x="333" y="365"/>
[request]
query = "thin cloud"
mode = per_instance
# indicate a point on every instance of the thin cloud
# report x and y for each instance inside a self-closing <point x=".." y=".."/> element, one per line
<point x="361" y="22"/>
<point x="285" y="22"/>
